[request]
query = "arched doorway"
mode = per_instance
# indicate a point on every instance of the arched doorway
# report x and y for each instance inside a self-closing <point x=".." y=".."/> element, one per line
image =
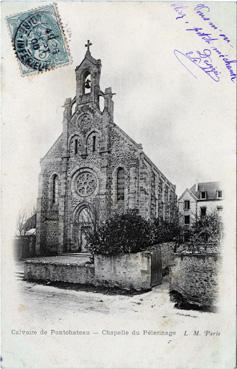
<point x="83" y="226"/>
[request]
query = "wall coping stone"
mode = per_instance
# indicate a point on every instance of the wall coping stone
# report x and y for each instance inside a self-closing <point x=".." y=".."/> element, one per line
<point x="198" y="254"/>
<point x="59" y="260"/>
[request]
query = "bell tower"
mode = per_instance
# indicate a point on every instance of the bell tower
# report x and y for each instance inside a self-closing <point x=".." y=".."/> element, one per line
<point x="88" y="79"/>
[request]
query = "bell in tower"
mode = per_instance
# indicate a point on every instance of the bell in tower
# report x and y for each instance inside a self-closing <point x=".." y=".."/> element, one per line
<point x="88" y="79"/>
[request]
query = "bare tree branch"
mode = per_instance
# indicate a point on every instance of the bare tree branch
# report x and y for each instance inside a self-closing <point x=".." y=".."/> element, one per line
<point x="21" y="220"/>
<point x="23" y="217"/>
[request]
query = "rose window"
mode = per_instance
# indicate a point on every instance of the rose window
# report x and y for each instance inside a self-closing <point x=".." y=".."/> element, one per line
<point x="86" y="183"/>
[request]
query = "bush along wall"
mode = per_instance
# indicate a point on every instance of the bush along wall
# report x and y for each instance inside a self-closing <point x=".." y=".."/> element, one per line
<point x="121" y="234"/>
<point x="130" y="233"/>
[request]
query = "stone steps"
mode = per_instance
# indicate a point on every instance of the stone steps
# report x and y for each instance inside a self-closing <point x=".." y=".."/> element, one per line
<point x="19" y="275"/>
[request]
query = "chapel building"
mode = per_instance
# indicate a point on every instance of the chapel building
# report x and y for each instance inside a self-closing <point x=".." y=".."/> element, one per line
<point x="94" y="170"/>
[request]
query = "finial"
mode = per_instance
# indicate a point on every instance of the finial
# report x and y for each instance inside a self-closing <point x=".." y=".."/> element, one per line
<point x="88" y="44"/>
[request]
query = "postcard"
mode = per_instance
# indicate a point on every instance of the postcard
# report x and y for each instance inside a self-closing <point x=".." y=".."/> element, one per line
<point x="118" y="185"/>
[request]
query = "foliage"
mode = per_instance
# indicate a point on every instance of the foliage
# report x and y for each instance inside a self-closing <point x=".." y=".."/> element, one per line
<point x="130" y="233"/>
<point x="208" y="228"/>
<point x="164" y="231"/>
<point x="121" y="234"/>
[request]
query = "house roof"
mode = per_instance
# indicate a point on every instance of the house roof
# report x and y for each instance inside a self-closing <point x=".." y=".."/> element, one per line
<point x="30" y="223"/>
<point x="191" y="194"/>
<point x="209" y="187"/>
<point x="139" y="146"/>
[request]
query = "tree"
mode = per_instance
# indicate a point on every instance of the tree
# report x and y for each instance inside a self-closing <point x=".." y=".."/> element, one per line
<point x="21" y="220"/>
<point x="25" y="221"/>
<point x="208" y="228"/>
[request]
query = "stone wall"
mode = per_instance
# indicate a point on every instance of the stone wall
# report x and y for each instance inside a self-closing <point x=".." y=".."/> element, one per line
<point x="195" y="277"/>
<point x="24" y="247"/>
<point x="137" y="271"/>
<point x="49" y="269"/>
<point x="130" y="271"/>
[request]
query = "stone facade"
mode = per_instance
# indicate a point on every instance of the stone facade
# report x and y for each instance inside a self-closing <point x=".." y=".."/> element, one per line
<point x="94" y="170"/>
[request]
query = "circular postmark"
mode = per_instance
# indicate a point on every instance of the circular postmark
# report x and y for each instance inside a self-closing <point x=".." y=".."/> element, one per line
<point x="38" y="41"/>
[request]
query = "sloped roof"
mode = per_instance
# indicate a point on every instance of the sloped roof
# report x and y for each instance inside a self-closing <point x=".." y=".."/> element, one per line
<point x="30" y="223"/>
<point x="88" y="57"/>
<point x="209" y="187"/>
<point x="53" y="147"/>
<point x="190" y="192"/>
<point x="30" y="232"/>
<point x="139" y="146"/>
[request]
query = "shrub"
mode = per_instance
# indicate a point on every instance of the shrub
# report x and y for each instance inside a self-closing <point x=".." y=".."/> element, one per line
<point x="121" y="234"/>
<point x="165" y="232"/>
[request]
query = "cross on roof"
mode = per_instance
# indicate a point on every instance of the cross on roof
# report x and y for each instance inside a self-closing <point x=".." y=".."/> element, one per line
<point x="88" y="44"/>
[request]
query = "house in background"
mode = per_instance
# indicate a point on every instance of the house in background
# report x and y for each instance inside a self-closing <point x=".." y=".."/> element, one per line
<point x="199" y="200"/>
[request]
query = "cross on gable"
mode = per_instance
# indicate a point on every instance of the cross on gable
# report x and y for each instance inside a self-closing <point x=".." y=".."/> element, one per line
<point x="88" y="44"/>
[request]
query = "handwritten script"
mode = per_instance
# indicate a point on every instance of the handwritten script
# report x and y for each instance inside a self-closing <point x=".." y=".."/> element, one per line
<point x="217" y="45"/>
<point x="202" y="60"/>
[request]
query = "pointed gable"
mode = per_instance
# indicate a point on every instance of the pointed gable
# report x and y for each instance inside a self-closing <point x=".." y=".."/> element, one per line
<point x="189" y="193"/>
<point x="55" y="151"/>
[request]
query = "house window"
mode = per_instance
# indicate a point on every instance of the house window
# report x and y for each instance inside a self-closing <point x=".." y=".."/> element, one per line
<point x="203" y="211"/>
<point x="186" y="219"/>
<point x="76" y="146"/>
<point x="186" y="204"/>
<point x="55" y="189"/>
<point x="219" y="194"/>
<point x="120" y="184"/>
<point x="203" y="194"/>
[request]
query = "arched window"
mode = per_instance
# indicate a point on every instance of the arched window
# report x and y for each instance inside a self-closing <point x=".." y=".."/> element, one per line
<point x="55" y="189"/>
<point x="87" y="83"/>
<point x="76" y="146"/>
<point x="93" y="143"/>
<point x="120" y="184"/>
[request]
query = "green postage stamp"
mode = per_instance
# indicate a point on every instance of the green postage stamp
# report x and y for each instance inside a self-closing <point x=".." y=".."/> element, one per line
<point x="38" y="39"/>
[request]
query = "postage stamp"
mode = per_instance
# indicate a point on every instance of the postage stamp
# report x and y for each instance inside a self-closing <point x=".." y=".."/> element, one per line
<point x="38" y="39"/>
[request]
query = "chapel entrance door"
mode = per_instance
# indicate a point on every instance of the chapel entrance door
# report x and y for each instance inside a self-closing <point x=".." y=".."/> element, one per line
<point x="85" y="227"/>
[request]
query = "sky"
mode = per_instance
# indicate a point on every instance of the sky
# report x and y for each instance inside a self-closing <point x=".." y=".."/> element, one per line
<point x="185" y="124"/>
